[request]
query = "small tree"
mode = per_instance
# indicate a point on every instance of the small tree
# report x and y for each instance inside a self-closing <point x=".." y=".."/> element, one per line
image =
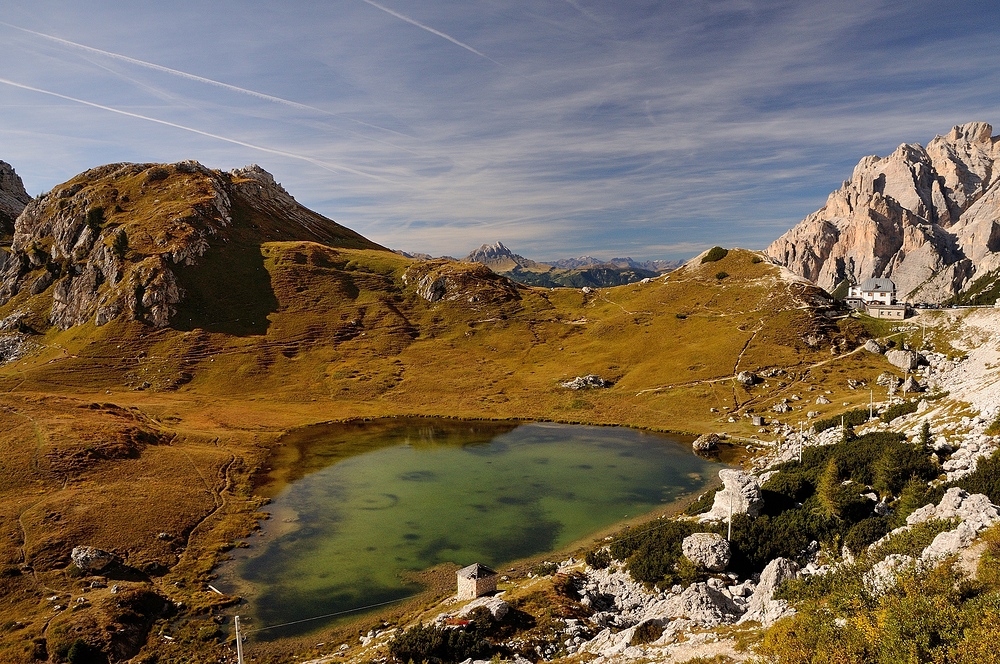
<point x="828" y="491"/>
<point x="925" y="435"/>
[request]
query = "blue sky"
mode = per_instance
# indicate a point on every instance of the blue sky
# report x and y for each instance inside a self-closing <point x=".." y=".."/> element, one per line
<point x="561" y="127"/>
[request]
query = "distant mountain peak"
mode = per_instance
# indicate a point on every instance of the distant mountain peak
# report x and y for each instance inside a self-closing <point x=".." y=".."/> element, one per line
<point x="490" y="252"/>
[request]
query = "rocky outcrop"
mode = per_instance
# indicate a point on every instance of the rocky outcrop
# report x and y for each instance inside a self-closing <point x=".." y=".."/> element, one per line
<point x="708" y="551"/>
<point x="907" y="360"/>
<point x="739" y="495"/>
<point x="588" y="382"/>
<point x="706" y="442"/>
<point x="873" y="346"/>
<point x="473" y="284"/>
<point x="91" y="559"/>
<point x="13" y="198"/>
<point x="928" y="218"/>
<point x="762" y="607"/>
<point x="116" y="240"/>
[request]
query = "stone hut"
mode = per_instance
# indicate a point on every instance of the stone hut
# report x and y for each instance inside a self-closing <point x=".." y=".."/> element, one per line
<point x="475" y="581"/>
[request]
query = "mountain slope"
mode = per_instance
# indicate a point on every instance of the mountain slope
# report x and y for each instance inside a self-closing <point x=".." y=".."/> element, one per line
<point x="928" y="218"/>
<point x="151" y="242"/>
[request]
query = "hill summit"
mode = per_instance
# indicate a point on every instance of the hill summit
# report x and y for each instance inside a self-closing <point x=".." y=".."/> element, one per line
<point x="928" y="218"/>
<point x="137" y="240"/>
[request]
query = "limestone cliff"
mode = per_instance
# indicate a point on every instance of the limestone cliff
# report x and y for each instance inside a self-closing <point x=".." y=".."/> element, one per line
<point x="129" y="239"/>
<point x="928" y="218"/>
<point x="13" y="198"/>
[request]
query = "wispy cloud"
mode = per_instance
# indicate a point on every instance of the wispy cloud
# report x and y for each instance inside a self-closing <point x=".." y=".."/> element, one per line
<point x="282" y="153"/>
<point x="429" y="29"/>
<point x="191" y="77"/>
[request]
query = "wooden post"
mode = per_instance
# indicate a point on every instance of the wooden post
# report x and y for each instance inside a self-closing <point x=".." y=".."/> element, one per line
<point x="239" y="641"/>
<point x="729" y="537"/>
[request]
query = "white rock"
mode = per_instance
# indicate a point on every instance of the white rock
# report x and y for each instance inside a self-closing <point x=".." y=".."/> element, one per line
<point x="708" y="551"/>
<point x="740" y="495"/>
<point x="762" y="607"/>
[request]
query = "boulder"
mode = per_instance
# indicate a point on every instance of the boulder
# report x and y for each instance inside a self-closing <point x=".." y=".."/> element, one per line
<point x="588" y="382"/>
<point x="873" y="346"/>
<point x="886" y="379"/>
<point x="708" y="551"/>
<point x="781" y="408"/>
<point x="91" y="559"/>
<point x="740" y="495"/>
<point x="950" y="543"/>
<point x="762" y="607"/>
<point x="958" y="503"/>
<point x="747" y="378"/>
<point x="911" y="385"/>
<point x="700" y="603"/>
<point x="822" y="400"/>
<point x="497" y="607"/>
<point x="906" y="360"/>
<point x="706" y="442"/>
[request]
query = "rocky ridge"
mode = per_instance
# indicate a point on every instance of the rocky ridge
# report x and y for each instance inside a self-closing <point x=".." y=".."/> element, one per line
<point x="585" y="271"/>
<point x="13" y="198"/>
<point x="116" y="240"/>
<point x="926" y="217"/>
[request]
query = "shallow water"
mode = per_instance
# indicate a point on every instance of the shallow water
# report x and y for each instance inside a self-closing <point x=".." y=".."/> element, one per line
<point x="355" y="506"/>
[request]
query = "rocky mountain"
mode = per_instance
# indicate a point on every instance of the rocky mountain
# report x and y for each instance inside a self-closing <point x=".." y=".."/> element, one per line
<point x="627" y="262"/>
<point x="499" y="258"/>
<point x="145" y="241"/>
<point x="571" y="272"/>
<point x="926" y="217"/>
<point x="13" y="199"/>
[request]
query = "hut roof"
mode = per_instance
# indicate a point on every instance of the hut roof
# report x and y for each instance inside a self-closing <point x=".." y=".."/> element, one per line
<point x="476" y="571"/>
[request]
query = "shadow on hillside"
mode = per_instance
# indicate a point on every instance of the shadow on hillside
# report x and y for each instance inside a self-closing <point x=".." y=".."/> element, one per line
<point x="228" y="291"/>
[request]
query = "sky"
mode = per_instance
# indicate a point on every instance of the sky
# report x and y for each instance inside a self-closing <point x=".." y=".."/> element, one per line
<point x="642" y="128"/>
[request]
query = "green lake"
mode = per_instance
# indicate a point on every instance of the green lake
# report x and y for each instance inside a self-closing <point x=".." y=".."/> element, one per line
<point x="356" y="506"/>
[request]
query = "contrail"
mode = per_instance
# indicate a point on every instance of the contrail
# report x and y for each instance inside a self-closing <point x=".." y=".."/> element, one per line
<point x="431" y="30"/>
<point x="202" y="79"/>
<point x="325" y="166"/>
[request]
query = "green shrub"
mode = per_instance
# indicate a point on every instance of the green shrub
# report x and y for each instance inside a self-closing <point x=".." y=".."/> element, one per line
<point x="424" y="643"/>
<point x="646" y="632"/>
<point x="914" y="495"/>
<point x="82" y="652"/>
<point x="866" y="532"/>
<point x="756" y="259"/>
<point x="911" y="542"/>
<point x="598" y="559"/>
<point x="680" y="316"/>
<point x="714" y="254"/>
<point x="851" y="418"/>
<point x="898" y="410"/>
<point x="545" y="569"/>
<point x="721" y="274"/>
<point x="651" y="551"/>
<point x="985" y="479"/>
<point x="95" y="218"/>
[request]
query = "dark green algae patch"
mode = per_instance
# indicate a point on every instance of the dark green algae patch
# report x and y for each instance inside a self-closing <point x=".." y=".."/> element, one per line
<point x="356" y="507"/>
